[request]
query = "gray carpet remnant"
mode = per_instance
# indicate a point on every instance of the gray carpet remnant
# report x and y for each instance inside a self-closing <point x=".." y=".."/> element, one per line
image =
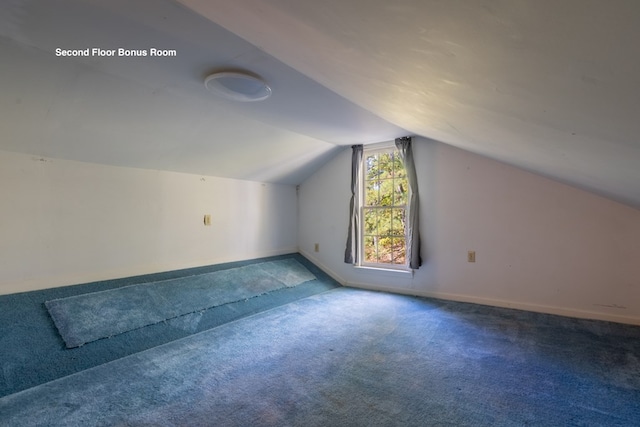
<point x="84" y="318"/>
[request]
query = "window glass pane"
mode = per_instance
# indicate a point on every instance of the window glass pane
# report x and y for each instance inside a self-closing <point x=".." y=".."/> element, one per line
<point x="370" y="251"/>
<point x="386" y="192"/>
<point x="372" y="193"/>
<point x="398" y="167"/>
<point x="385" y="250"/>
<point x="400" y="192"/>
<point x="399" y="250"/>
<point x="384" y="222"/>
<point x="397" y="222"/>
<point x="371" y="170"/>
<point x="370" y="221"/>
<point x="385" y="165"/>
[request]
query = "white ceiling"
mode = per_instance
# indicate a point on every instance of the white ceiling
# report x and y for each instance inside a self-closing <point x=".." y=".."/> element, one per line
<point x="155" y="113"/>
<point x="552" y="86"/>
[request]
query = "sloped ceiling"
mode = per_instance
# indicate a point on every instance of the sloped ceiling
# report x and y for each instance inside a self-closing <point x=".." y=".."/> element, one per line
<point x="154" y="112"/>
<point x="550" y="86"/>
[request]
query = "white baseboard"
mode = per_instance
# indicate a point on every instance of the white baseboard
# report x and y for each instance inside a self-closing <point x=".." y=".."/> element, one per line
<point x="517" y="305"/>
<point x="560" y="311"/>
<point x="322" y="266"/>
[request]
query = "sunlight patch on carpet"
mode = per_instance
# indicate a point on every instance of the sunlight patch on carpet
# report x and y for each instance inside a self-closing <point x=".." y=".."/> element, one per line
<point x="84" y="318"/>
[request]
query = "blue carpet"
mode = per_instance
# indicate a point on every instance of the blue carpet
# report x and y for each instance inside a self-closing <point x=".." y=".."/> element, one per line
<point x="32" y="351"/>
<point x="84" y="318"/>
<point x="357" y="358"/>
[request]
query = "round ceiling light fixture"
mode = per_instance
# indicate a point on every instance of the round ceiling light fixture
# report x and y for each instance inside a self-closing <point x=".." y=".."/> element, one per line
<point x="238" y="86"/>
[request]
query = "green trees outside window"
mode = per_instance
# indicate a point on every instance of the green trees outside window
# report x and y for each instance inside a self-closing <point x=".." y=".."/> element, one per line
<point x="384" y="208"/>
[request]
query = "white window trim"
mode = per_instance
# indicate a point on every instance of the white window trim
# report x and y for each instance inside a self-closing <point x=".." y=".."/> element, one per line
<point x="381" y="147"/>
<point x="384" y="270"/>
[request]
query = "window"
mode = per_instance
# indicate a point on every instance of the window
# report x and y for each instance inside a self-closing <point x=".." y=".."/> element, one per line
<point x="383" y="214"/>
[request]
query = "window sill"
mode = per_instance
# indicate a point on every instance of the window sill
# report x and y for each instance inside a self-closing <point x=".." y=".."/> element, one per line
<point x="392" y="271"/>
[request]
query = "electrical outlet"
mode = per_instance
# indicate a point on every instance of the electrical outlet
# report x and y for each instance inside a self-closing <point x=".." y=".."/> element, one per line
<point x="471" y="256"/>
<point x="316" y="247"/>
<point x="207" y="219"/>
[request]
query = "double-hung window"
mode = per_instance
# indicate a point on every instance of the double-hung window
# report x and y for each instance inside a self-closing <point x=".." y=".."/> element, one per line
<point x="383" y="209"/>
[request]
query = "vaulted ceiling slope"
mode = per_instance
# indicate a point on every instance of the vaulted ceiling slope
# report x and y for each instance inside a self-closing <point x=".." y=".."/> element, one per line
<point x="154" y="112"/>
<point x="552" y="86"/>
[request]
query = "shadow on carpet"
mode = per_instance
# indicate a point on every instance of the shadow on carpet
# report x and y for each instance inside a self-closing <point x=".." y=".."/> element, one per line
<point x="358" y="358"/>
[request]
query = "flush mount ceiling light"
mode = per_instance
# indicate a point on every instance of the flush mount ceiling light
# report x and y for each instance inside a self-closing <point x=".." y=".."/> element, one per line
<point x="238" y="86"/>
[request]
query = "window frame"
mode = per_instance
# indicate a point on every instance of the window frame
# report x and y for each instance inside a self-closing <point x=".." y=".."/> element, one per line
<point x="368" y="150"/>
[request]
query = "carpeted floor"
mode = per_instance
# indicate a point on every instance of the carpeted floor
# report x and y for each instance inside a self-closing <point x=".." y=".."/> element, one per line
<point x="350" y="357"/>
<point x="32" y="351"/>
<point x="81" y="319"/>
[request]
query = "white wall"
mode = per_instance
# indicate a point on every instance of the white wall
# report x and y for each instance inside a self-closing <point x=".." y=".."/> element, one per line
<point x="65" y="222"/>
<point x="540" y="245"/>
